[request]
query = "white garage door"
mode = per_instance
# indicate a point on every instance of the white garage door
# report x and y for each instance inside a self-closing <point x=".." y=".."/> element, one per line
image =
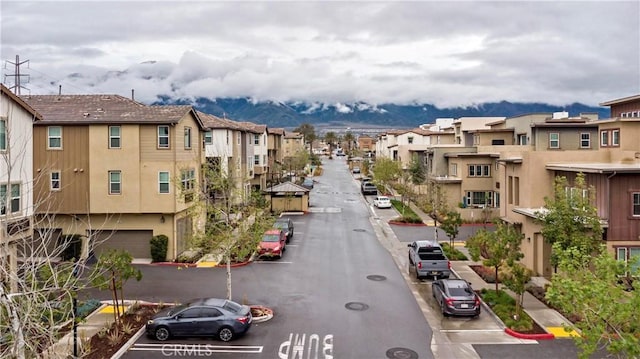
<point x="135" y="242"/>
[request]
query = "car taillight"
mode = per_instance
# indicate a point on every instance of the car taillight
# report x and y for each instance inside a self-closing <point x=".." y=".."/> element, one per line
<point x="449" y="302"/>
<point x="449" y="264"/>
<point x="243" y="320"/>
<point x="419" y="265"/>
<point x="477" y="301"/>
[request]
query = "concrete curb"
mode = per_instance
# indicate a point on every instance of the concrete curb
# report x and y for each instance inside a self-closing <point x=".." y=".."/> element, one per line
<point x="519" y="335"/>
<point x="125" y="347"/>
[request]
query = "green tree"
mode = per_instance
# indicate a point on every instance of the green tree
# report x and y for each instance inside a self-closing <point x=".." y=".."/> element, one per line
<point x="569" y="220"/>
<point x="330" y="138"/>
<point x="386" y="171"/>
<point x="349" y="139"/>
<point x="115" y="270"/>
<point x="496" y="248"/>
<point x="417" y="170"/>
<point x="450" y="224"/>
<point x="309" y="133"/>
<point x="516" y="279"/>
<point x="591" y="288"/>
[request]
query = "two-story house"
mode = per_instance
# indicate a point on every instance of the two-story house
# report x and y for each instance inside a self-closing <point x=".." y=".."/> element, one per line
<point x="116" y="171"/>
<point x="16" y="183"/>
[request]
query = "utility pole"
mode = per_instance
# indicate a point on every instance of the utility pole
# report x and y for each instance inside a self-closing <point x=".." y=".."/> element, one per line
<point x="17" y="76"/>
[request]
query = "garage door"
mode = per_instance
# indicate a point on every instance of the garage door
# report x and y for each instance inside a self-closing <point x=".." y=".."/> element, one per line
<point x="135" y="242"/>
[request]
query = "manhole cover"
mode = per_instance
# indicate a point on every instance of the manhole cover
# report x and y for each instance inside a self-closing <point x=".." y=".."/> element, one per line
<point x="401" y="353"/>
<point x="376" y="277"/>
<point x="356" y="306"/>
<point x="359" y="230"/>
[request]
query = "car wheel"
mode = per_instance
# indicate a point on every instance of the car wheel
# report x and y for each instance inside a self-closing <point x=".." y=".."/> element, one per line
<point x="162" y="334"/>
<point x="410" y="260"/>
<point x="226" y="334"/>
<point x="417" y="274"/>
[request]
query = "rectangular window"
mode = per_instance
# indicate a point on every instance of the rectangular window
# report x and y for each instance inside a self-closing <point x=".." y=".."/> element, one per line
<point x="410" y="139"/>
<point x="479" y="198"/>
<point x="163" y="182"/>
<point x="256" y="160"/>
<point x="163" y="136"/>
<point x="208" y="138"/>
<point x="635" y="204"/>
<point x="454" y="169"/>
<point x="3" y="199"/>
<point x="522" y="139"/>
<point x="585" y="140"/>
<point x="476" y="140"/>
<point x="9" y="202"/>
<point x="496" y="196"/>
<point x="114" y="137"/>
<point x="249" y="162"/>
<point x="188" y="179"/>
<point x="256" y="139"/>
<point x="604" y="138"/>
<point x="115" y="182"/>
<point x="187" y="138"/>
<point x="516" y="191"/>
<point x="54" y="137"/>
<point x="554" y="140"/>
<point x="55" y="180"/>
<point x="479" y="170"/>
<point x="615" y="138"/>
<point x="3" y="134"/>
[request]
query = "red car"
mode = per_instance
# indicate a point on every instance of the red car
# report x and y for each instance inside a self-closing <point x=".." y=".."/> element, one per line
<point x="272" y="244"/>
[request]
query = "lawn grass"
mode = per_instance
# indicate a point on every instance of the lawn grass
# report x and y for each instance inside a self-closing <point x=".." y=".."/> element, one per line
<point x="407" y="215"/>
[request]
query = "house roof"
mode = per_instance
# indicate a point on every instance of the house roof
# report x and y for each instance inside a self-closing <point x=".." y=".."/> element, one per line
<point x="621" y="100"/>
<point x="253" y="127"/>
<point x="276" y="131"/>
<point x="213" y="122"/>
<point x="293" y="135"/>
<point x="595" y="167"/>
<point x="5" y="90"/>
<point x="287" y="187"/>
<point x="104" y="109"/>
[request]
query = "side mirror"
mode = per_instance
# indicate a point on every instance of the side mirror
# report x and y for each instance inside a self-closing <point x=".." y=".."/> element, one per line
<point x="409" y="245"/>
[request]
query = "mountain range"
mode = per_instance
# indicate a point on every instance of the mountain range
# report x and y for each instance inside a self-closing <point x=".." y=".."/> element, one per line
<point x="291" y="114"/>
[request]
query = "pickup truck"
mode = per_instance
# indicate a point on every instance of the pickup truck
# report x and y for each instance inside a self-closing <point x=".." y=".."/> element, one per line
<point x="429" y="260"/>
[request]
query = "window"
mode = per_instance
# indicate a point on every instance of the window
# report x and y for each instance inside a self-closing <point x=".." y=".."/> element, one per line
<point x="163" y="136"/>
<point x="208" y="138"/>
<point x="54" y="137"/>
<point x="479" y="198"/>
<point x="585" y="140"/>
<point x="479" y="170"/>
<point x="114" y="136"/>
<point x="264" y="160"/>
<point x="604" y="138"/>
<point x="256" y="139"/>
<point x="522" y="139"/>
<point x="163" y="182"/>
<point x="249" y="162"/>
<point x="615" y="138"/>
<point x="629" y="255"/>
<point x="554" y="140"/>
<point x="635" y="204"/>
<point x="55" y="180"/>
<point x="188" y="179"/>
<point x="10" y="201"/>
<point x="115" y="182"/>
<point x="187" y="138"/>
<point x="476" y="139"/>
<point x="256" y="160"/>
<point x="410" y="139"/>
<point x="3" y="134"/>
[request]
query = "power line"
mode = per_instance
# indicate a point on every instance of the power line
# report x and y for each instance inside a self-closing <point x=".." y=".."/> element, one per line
<point x="17" y="77"/>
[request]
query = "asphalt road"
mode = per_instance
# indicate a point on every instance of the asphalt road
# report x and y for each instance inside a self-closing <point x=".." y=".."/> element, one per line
<point x="336" y="292"/>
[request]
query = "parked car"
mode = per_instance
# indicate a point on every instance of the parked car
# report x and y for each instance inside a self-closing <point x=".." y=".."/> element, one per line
<point x="307" y="183"/>
<point x="456" y="297"/>
<point x="429" y="259"/>
<point x="369" y="188"/>
<point x="356" y="169"/>
<point x="202" y="317"/>
<point x="286" y="224"/>
<point x="382" y="202"/>
<point x="272" y="244"/>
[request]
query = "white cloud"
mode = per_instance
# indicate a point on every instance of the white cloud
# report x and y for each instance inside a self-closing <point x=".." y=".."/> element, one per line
<point x="445" y="53"/>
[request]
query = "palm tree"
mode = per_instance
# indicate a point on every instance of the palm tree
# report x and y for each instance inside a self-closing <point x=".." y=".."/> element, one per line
<point x="309" y="133"/>
<point x="330" y="138"/>
<point x="349" y="138"/>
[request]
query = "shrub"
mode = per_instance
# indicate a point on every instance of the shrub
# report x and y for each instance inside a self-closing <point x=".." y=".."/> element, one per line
<point x="159" y="247"/>
<point x="452" y="253"/>
<point x="86" y="307"/>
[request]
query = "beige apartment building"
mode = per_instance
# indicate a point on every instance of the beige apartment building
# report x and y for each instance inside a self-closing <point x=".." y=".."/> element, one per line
<point x="293" y="143"/>
<point x="116" y="171"/>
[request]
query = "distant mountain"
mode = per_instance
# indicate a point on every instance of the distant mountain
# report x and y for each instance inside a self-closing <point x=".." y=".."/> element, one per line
<point x="291" y="115"/>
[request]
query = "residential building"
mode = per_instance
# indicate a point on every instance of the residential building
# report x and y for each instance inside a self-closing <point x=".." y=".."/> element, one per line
<point x="16" y="183"/>
<point x="293" y="143"/>
<point x="366" y="143"/>
<point x="116" y="171"/>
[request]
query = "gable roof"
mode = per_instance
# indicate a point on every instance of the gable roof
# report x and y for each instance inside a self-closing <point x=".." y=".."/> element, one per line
<point x="212" y="122"/>
<point x="286" y="187"/>
<point x="104" y="109"/>
<point x="275" y="131"/>
<point x="5" y="91"/>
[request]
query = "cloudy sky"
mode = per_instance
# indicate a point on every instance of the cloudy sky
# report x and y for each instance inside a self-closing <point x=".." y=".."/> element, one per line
<point x="439" y="52"/>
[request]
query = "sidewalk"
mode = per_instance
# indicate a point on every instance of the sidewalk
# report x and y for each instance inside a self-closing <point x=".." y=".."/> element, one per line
<point x="551" y="320"/>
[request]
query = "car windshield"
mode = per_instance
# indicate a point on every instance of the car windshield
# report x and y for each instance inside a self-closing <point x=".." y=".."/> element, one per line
<point x="280" y="225"/>
<point x="270" y="238"/>
<point x="459" y="292"/>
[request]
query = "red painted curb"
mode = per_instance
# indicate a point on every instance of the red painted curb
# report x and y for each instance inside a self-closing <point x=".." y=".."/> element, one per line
<point x="233" y="265"/>
<point x="173" y="264"/>
<point x="518" y="335"/>
<point x="406" y="224"/>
